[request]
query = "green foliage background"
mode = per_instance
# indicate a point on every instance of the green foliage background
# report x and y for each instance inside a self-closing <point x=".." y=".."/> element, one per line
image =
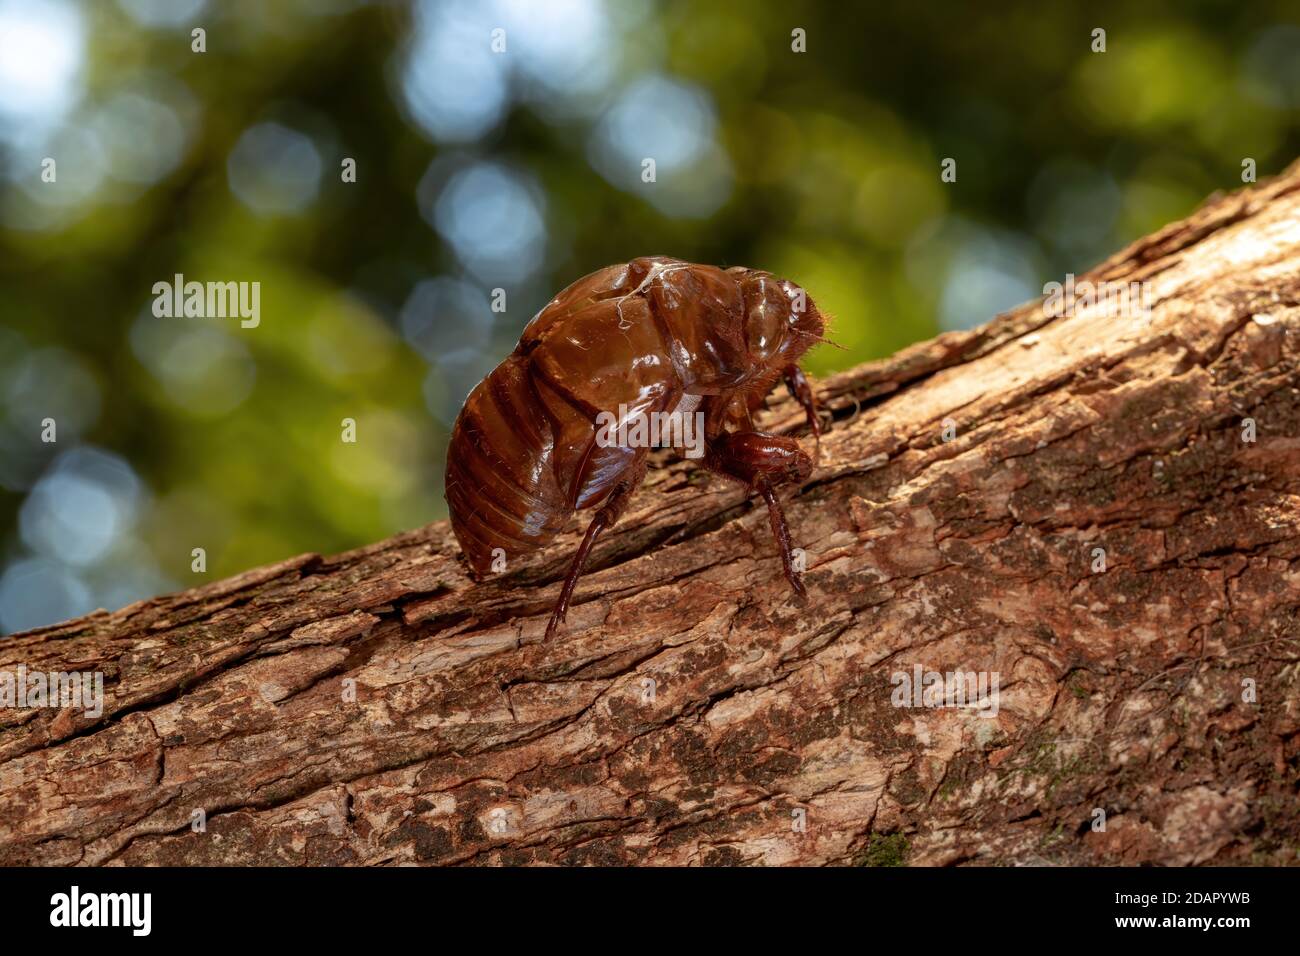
<point x="832" y="162"/>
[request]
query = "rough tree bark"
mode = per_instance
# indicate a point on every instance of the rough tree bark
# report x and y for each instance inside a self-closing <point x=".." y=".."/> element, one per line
<point x="467" y="740"/>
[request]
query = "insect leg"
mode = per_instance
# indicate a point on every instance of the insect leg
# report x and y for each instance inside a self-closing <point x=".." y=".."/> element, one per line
<point x="782" y="534"/>
<point x="604" y="518"/>
<point x="797" y="383"/>
<point x="762" y="461"/>
<point x="748" y="456"/>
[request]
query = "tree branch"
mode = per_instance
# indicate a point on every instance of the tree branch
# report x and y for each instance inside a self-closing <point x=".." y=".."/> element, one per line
<point x="379" y="707"/>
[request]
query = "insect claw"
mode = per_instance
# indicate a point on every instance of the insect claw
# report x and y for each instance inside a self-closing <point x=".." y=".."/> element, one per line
<point x="553" y="625"/>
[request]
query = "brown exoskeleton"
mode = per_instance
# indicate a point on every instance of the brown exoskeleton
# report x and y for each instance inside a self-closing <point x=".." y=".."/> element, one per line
<point x="650" y="336"/>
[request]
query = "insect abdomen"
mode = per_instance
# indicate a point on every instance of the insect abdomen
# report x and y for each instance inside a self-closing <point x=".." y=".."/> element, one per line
<point x="502" y="490"/>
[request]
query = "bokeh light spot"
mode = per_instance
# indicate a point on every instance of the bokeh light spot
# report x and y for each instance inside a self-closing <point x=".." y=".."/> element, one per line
<point x="491" y="216"/>
<point x="274" y="169"/>
<point x="34" y="592"/>
<point x="42" y="47"/>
